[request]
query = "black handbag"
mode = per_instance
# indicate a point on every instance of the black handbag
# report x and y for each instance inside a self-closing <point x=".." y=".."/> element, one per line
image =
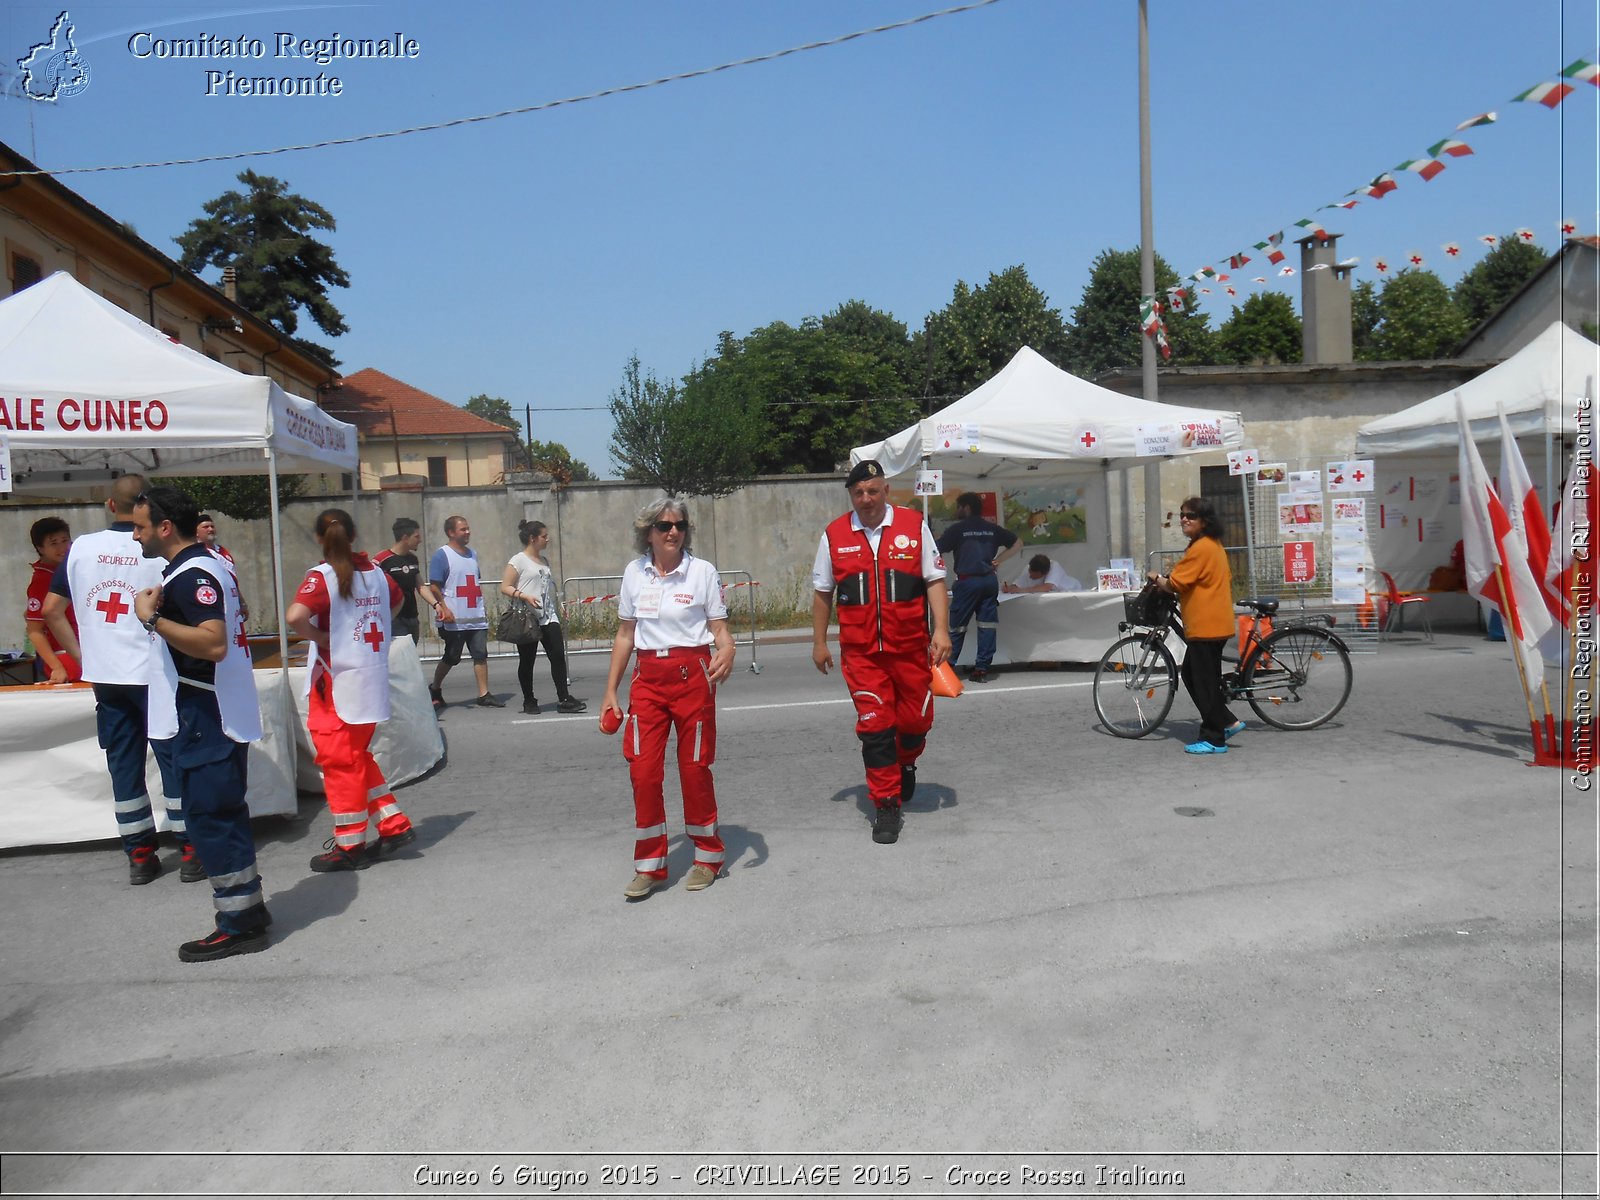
<point x="519" y="624"/>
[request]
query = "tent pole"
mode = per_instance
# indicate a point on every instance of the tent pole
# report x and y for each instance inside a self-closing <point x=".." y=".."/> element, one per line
<point x="1147" y="278"/>
<point x="277" y="592"/>
<point x="927" y="462"/>
<point x="1250" y="532"/>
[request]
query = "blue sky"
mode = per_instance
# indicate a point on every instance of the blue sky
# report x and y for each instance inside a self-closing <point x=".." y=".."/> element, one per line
<point x="528" y="257"/>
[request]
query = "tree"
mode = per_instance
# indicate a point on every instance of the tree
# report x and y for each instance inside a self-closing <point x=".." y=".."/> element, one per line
<point x="242" y="497"/>
<point x="1265" y="329"/>
<point x="1105" y="330"/>
<point x="700" y="446"/>
<point x="1495" y="278"/>
<point x="1417" y="319"/>
<point x="1364" y="316"/>
<point x="556" y="461"/>
<point x="819" y="388"/>
<point x="265" y="235"/>
<point x="494" y="409"/>
<point x="981" y="329"/>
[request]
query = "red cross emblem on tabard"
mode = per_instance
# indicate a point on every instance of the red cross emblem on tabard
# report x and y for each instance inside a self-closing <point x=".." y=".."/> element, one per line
<point x="113" y="606"/>
<point x="240" y="640"/>
<point x="470" y="591"/>
<point x="373" y="637"/>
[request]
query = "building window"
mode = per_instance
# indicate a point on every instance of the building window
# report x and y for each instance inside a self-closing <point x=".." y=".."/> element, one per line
<point x="24" y="272"/>
<point x="346" y="482"/>
<point x="436" y="472"/>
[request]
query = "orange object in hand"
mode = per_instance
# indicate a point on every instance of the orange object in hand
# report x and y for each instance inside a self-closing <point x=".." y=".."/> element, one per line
<point x="946" y="682"/>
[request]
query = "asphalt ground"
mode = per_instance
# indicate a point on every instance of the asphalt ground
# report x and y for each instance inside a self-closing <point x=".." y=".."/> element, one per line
<point x="1367" y="968"/>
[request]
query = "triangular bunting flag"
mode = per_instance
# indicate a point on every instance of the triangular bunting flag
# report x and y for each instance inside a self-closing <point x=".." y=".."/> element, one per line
<point x="1547" y="94"/>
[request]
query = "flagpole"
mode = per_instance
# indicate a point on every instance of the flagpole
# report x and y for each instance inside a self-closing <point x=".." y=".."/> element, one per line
<point x="1514" y="636"/>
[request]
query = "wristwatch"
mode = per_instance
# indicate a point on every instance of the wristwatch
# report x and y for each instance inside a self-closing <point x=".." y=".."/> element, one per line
<point x="150" y="625"/>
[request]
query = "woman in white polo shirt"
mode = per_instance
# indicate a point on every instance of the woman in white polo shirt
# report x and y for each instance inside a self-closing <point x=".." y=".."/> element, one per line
<point x="671" y="610"/>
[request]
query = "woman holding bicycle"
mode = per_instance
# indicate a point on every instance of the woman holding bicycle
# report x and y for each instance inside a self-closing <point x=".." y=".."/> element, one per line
<point x="1204" y="587"/>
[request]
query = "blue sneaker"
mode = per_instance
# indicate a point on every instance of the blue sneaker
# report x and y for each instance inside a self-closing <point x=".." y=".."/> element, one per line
<point x="1234" y="730"/>
<point x="1204" y="748"/>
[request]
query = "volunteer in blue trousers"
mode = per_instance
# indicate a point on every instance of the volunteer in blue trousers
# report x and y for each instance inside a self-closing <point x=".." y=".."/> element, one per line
<point x="978" y="547"/>
<point x="202" y="694"/>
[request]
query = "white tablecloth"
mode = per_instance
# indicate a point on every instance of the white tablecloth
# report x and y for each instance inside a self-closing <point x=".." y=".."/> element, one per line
<point x="1052" y="627"/>
<point x="60" y="792"/>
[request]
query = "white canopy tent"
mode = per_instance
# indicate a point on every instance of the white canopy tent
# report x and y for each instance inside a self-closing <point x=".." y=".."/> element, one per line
<point x="88" y="392"/>
<point x="1541" y="389"/>
<point x="1034" y="422"/>
<point x="1032" y="416"/>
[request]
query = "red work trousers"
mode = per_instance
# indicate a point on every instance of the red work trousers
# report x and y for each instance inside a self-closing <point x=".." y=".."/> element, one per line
<point x="672" y="691"/>
<point x="355" y="787"/>
<point x="893" y="696"/>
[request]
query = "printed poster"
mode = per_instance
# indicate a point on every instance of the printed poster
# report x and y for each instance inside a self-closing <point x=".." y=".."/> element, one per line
<point x="1354" y="475"/>
<point x="956" y="436"/>
<point x="1271" y="474"/>
<point x="1305" y="482"/>
<point x="1299" y="515"/>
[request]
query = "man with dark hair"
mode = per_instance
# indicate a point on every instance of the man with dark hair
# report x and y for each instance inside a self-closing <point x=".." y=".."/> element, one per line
<point x="1042" y="574"/>
<point x="979" y="548"/>
<point x="51" y="539"/>
<point x="880" y="564"/>
<point x="202" y="693"/>
<point x="399" y="563"/>
<point x="90" y="611"/>
<point x="455" y="592"/>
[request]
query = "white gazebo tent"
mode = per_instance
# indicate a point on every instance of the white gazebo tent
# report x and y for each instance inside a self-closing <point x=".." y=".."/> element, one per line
<point x="88" y="391"/>
<point x="1033" y="420"/>
<point x="1542" y="389"/>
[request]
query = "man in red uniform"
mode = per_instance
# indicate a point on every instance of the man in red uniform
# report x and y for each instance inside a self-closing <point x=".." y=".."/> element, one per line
<point x="51" y="539"/>
<point x="880" y="564"/>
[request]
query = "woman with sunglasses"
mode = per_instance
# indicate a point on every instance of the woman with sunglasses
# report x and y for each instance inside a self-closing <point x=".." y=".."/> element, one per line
<point x="528" y="578"/>
<point x="670" y="609"/>
<point x="1204" y="587"/>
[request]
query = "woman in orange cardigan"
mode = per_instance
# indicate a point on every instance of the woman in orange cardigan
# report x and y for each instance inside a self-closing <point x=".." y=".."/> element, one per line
<point x="1204" y="586"/>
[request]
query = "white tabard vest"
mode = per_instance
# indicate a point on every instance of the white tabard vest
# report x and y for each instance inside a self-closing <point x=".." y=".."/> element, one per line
<point x="463" y="592"/>
<point x="104" y="571"/>
<point x="358" y="646"/>
<point x="235" y="683"/>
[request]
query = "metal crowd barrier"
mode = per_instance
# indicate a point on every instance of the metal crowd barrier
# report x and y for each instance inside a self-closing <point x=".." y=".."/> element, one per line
<point x="589" y="612"/>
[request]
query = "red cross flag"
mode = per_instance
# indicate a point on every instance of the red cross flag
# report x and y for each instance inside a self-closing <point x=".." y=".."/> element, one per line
<point x="1415" y="258"/>
<point x="1453" y="250"/>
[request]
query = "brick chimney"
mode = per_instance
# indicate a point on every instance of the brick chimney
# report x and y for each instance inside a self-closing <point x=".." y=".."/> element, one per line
<point x="230" y="284"/>
<point x="1324" y="302"/>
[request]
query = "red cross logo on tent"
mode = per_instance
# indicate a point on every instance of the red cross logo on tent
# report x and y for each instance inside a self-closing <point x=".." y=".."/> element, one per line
<point x="113" y="606"/>
<point x="373" y="637"/>
<point x="1089" y="439"/>
<point x="470" y="591"/>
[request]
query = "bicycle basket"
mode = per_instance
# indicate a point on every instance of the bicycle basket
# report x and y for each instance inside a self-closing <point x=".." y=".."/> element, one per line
<point x="1149" y="606"/>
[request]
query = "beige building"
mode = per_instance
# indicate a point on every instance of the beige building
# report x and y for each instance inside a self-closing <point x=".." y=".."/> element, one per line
<point x="46" y="227"/>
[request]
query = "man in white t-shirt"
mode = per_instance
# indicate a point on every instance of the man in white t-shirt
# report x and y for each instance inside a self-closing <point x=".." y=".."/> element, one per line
<point x="1042" y="574"/>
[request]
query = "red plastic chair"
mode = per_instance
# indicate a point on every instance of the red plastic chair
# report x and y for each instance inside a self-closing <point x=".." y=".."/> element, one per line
<point x="1396" y="620"/>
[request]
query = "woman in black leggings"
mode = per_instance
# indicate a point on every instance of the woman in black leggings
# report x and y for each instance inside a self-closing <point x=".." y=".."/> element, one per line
<point x="528" y="578"/>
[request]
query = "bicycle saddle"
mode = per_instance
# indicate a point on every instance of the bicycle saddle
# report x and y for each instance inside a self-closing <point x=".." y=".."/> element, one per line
<point x="1266" y="605"/>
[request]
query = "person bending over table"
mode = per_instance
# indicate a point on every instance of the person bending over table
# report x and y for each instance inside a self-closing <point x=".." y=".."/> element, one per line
<point x="1042" y="574"/>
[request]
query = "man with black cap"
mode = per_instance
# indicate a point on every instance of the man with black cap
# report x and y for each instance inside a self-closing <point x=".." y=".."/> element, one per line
<point x="881" y="566"/>
<point x="979" y="547"/>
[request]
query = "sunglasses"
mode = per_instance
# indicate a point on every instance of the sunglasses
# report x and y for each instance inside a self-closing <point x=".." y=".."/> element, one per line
<point x="669" y="526"/>
<point x="1188" y="516"/>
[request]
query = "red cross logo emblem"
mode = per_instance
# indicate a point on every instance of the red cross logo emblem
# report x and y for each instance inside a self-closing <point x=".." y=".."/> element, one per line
<point x="1452" y="251"/>
<point x="113" y="606"/>
<point x="1088" y="439"/>
<point x="1416" y="260"/>
<point x="1249" y="460"/>
<point x="240" y="640"/>
<point x="1359" y="476"/>
<point x="373" y="637"/>
<point x="470" y="591"/>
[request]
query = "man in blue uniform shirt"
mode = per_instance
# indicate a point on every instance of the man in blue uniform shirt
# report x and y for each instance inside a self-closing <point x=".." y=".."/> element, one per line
<point x="978" y="547"/>
<point x="201" y="690"/>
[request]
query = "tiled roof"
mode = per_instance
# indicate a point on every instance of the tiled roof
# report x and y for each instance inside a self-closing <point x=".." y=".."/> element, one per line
<point x="366" y="398"/>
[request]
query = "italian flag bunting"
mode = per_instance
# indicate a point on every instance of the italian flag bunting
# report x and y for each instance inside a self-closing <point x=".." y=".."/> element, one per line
<point x="1425" y="167"/>
<point x="1381" y="186"/>
<point x="1582" y="71"/>
<point x="1453" y="148"/>
<point x="1487" y="118"/>
<point x="1547" y="94"/>
<point x="1235" y="261"/>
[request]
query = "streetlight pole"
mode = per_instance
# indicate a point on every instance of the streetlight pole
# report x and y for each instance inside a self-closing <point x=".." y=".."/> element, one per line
<point x="1147" y="276"/>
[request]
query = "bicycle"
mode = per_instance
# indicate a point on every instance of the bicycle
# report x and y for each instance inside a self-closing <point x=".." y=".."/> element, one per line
<point x="1296" y="677"/>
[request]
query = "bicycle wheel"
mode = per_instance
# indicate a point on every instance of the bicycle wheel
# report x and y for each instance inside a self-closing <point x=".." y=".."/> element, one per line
<point x="1298" y="678"/>
<point x="1134" y="685"/>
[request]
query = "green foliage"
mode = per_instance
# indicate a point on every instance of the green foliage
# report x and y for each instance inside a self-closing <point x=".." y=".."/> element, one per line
<point x="556" y="461"/>
<point x="265" y="234"/>
<point x="1265" y="329"/>
<point x="495" y="409"/>
<point x="817" y="389"/>
<point x="242" y="497"/>
<point x="704" y="445"/>
<point x="1105" y="325"/>
<point x="1417" y="319"/>
<point x="1496" y="278"/>
<point x="981" y="329"/>
<point x="1364" y="316"/>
